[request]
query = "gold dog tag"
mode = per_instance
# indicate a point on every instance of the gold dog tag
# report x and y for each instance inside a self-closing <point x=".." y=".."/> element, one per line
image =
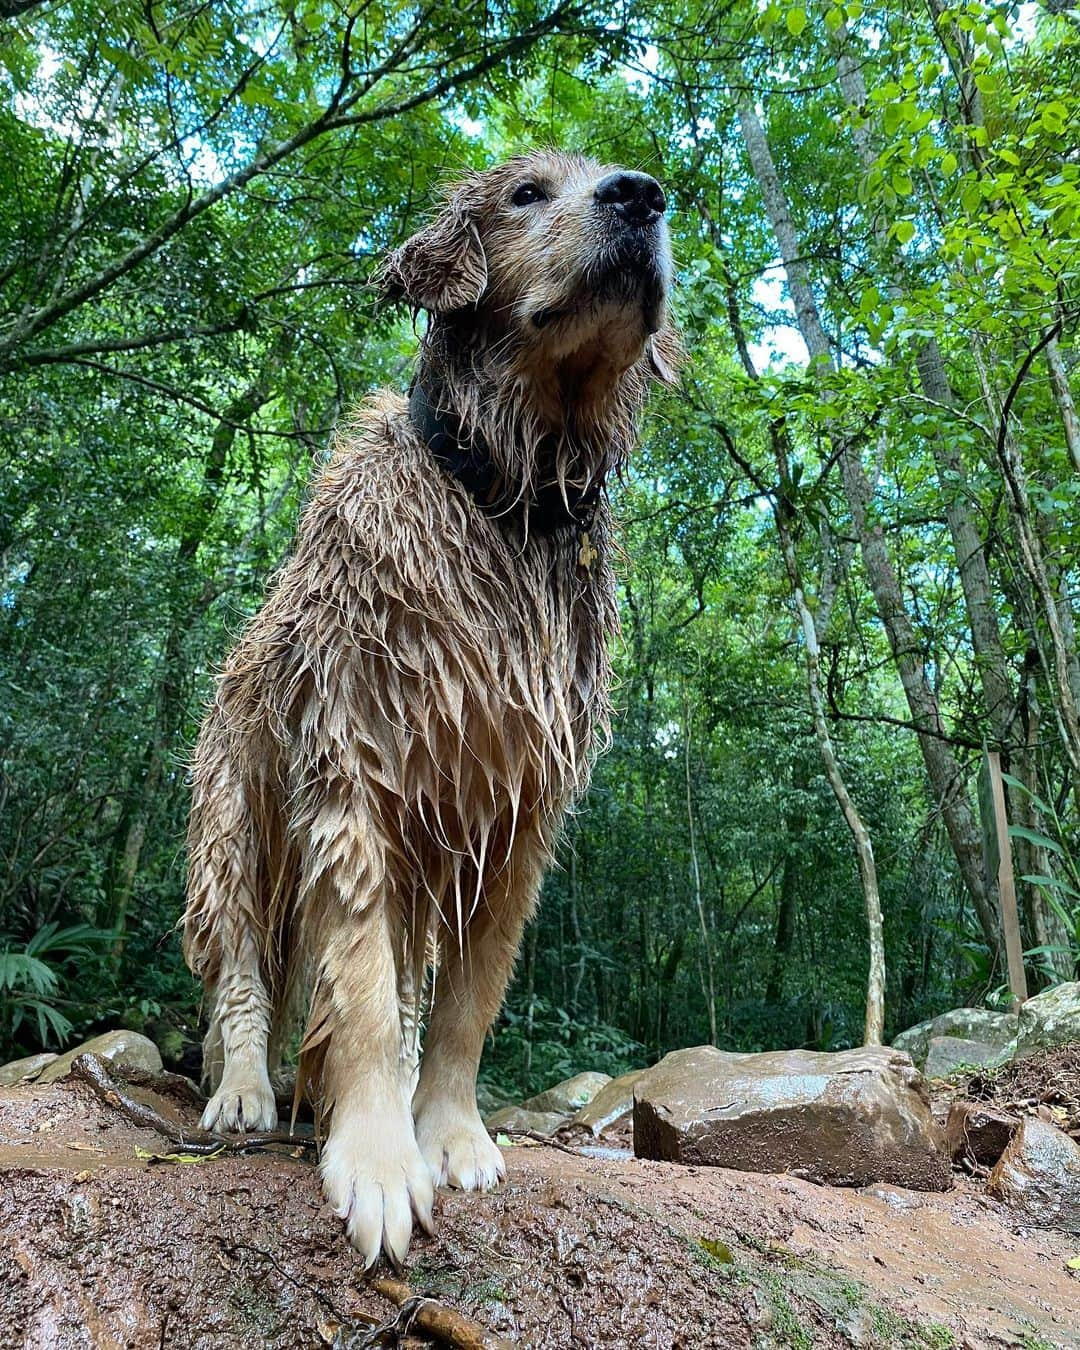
<point x="588" y="553"/>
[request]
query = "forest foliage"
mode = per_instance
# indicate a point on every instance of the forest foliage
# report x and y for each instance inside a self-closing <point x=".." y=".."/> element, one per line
<point x="874" y="461"/>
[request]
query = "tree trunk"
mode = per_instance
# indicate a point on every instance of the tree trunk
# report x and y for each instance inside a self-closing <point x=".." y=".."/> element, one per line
<point x="945" y="774"/>
<point x="708" y="981"/>
<point x="784" y="934"/>
<point x="874" y="1022"/>
<point x="1048" y="606"/>
<point x="1059" y="384"/>
<point x="968" y="545"/>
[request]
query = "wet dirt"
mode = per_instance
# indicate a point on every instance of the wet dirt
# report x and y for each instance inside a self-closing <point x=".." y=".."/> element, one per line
<point x="99" y="1247"/>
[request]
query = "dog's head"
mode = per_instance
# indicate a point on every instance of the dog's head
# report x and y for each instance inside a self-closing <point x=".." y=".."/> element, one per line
<point x="566" y="258"/>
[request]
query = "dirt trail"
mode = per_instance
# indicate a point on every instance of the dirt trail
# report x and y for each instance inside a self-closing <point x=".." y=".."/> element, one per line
<point x="101" y="1248"/>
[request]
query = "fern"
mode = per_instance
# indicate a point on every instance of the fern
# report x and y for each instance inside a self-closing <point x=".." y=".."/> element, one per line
<point x="20" y="970"/>
<point x="32" y="978"/>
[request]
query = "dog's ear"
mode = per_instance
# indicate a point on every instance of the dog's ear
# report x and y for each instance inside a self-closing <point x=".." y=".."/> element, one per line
<point x="665" y="354"/>
<point x="442" y="268"/>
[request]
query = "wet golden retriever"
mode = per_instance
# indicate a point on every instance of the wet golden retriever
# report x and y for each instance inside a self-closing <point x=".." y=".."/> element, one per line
<point x="396" y="738"/>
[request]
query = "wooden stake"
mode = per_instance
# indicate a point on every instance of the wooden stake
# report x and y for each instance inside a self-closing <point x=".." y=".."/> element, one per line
<point x="1010" y="921"/>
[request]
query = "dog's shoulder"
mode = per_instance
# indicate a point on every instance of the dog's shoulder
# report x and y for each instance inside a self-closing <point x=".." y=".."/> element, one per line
<point x="374" y="474"/>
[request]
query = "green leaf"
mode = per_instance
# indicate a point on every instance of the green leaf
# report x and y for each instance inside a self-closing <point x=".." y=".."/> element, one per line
<point x="188" y="1159"/>
<point x="904" y="230"/>
<point x="1051" y="883"/>
<point x="796" y="21"/>
<point x="1053" y="117"/>
<point x="948" y="164"/>
<point x="1022" y="787"/>
<point x="834" y="19"/>
<point x="1034" y="837"/>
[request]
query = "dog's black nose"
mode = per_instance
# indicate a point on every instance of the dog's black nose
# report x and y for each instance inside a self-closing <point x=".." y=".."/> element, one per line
<point x="635" y="197"/>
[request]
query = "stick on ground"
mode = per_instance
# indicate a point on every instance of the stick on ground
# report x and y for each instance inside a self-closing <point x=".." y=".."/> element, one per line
<point x="436" y="1320"/>
<point x="94" y="1071"/>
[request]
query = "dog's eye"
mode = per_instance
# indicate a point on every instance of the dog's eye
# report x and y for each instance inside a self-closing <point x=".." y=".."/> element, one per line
<point x="527" y="193"/>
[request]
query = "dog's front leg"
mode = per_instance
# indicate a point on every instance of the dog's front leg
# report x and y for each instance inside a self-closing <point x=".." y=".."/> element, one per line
<point x="372" y="1171"/>
<point x="469" y="991"/>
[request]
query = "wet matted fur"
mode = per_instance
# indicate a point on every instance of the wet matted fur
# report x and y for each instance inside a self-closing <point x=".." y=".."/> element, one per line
<point x="396" y="737"/>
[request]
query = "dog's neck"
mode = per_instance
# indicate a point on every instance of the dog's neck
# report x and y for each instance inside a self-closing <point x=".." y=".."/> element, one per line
<point x="465" y="454"/>
<point x="532" y="447"/>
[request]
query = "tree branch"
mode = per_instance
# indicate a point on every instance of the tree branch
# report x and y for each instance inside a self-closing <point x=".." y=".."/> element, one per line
<point x="73" y="350"/>
<point x="335" y="115"/>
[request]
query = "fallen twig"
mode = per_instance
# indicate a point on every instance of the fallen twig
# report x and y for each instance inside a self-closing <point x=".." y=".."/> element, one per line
<point x="539" y="1138"/>
<point x="437" y="1320"/>
<point x="93" y="1071"/>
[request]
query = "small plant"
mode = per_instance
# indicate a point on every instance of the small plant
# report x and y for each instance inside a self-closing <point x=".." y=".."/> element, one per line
<point x="1061" y="892"/>
<point x="34" y="978"/>
<point x="530" y="1053"/>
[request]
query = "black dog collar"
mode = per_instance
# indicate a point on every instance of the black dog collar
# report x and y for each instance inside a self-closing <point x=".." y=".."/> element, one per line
<point x="468" y="459"/>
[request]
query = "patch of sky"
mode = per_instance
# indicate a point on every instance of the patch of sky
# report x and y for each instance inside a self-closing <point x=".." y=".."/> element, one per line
<point x="468" y="126"/>
<point x="780" y="344"/>
<point x="640" y="74"/>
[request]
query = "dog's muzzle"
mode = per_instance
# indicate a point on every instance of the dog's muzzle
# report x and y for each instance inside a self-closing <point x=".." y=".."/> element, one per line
<point x="632" y="261"/>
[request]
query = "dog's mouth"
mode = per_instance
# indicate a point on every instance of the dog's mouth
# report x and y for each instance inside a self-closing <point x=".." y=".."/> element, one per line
<point x="628" y="273"/>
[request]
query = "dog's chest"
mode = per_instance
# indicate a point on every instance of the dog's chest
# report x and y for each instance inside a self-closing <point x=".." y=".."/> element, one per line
<point x="429" y="654"/>
<point x="509" y="668"/>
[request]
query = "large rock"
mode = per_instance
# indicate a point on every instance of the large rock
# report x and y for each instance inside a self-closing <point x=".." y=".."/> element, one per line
<point x="490" y="1098"/>
<point x="569" y="1095"/>
<point x="119" y="1047"/>
<point x="970" y="1024"/>
<point x="847" y="1119"/>
<point x="978" y="1132"/>
<point x="612" y="1103"/>
<point x="1049" y="1019"/>
<point x="516" y="1120"/>
<point x="946" y="1054"/>
<point x="1038" y="1176"/>
<point x="25" y="1070"/>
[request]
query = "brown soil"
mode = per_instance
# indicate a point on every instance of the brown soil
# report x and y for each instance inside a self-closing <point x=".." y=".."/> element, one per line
<point x="1050" y="1078"/>
<point x="100" y="1247"/>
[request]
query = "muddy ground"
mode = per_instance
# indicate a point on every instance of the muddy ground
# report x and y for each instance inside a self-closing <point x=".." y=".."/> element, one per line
<point x="102" y="1247"/>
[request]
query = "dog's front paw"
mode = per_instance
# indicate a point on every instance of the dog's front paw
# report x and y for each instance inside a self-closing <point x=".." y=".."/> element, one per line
<point x="376" y="1180"/>
<point x="458" y="1149"/>
<point x="243" y="1102"/>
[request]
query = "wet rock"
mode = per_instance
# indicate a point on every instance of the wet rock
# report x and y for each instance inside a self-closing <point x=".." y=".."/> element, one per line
<point x="946" y="1054"/>
<point x="1038" y="1176"/>
<point x="847" y="1119"/>
<point x="24" y="1070"/>
<point x="569" y="1095"/>
<point x="1049" y="1019"/>
<point x="979" y="1132"/>
<point x="512" y="1118"/>
<point x="119" y="1047"/>
<point x="490" y="1099"/>
<point x="612" y="1103"/>
<point x="970" y="1024"/>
